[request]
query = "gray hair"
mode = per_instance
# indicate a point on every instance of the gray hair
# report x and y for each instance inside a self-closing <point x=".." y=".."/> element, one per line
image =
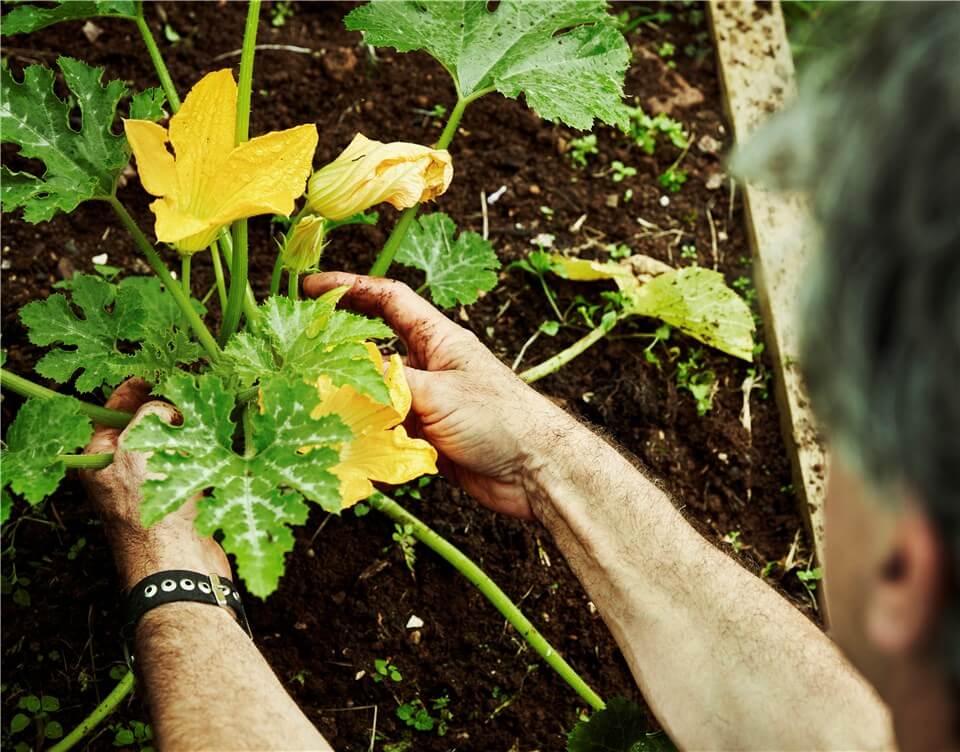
<point x="875" y="140"/>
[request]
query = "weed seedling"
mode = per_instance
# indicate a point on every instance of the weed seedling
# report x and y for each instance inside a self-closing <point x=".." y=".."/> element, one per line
<point x="688" y="252"/>
<point x="404" y="538"/>
<point x="581" y="148"/>
<point x="136" y="734"/>
<point x="621" y="171"/>
<point x="384" y="669"/>
<point x="37" y="711"/>
<point x="280" y="12"/>
<point x="416" y="715"/>
<point x="701" y="383"/>
<point x="672" y="179"/>
<point x="644" y="130"/>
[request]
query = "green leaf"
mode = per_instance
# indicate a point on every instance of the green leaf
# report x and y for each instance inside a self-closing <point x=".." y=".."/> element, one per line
<point x="138" y="309"/>
<point x="620" y="727"/>
<point x="42" y="430"/>
<point x="49" y="704"/>
<point x="457" y="268"/>
<point x="28" y="18"/>
<point x="308" y="339"/>
<point x="80" y="164"/>
<point x="18" y="723"/>
<point x="566" y="56"/>
<point x="148" y="104"/>
<point x="53" y="730"/>
<point x="30" y="703"/>
<point x="698" y="302"/>
<point x="257" y="495"/>
<point x="123" y="738"/>
<point x="6" y="506"/>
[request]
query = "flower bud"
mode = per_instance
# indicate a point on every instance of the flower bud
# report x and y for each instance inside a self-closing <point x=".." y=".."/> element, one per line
<point x="304" y="244"/>
<point x="370" y="172"/>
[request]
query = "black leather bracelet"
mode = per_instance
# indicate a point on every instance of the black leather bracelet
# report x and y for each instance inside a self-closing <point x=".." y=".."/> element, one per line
<point x="179" y="585"/>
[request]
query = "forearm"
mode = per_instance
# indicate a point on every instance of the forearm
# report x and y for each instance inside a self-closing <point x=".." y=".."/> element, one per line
<point x="723" y="660"/>
<point x="210" y="688"/>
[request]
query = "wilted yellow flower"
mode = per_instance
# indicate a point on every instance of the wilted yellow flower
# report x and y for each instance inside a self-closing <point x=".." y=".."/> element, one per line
<point x="211" y="182"/>
<point x="304" y="244"/>
<point x="380" y="449"/>
<point x="371" y="172"/>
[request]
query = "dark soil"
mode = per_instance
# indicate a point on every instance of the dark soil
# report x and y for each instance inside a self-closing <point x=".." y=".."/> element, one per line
<point x="346" y="597"/>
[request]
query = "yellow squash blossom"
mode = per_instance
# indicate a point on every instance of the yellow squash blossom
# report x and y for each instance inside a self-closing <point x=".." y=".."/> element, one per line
<point x="380" y="449"/>
<point x="371" y="172"/>
<point x="304" y="244"/>
<point x="211" y="182"/>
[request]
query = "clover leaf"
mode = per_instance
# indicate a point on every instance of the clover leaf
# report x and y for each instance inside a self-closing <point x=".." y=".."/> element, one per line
<point x="566" y="57"/>
<point x="42" y="430"/>
<point x="80" y="164"/>
<point x="255" y="495"/>
<point x="458" y="268"/>
<point x="24" y="19"/>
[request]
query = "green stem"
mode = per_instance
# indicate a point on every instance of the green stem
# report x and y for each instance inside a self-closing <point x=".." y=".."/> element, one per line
<point x="293" y="285"/>
<point x="250" y="301"/>
<point x="385" y="258"/>
<point x="185" y="273"/>
<point x="162" y="73"/>
<point x="156" y="263"/>
<point x="275" y="277"/>
<point x="563" y="357"/>
<point x="218" y="274"/>
<point x="238" y="270"/>
<point x="103" y="415"/>
<point x="491" y="591"/>
<point x="382" y="263"/>
<point x="86" y="461"/>
<point x="105" y="708"/>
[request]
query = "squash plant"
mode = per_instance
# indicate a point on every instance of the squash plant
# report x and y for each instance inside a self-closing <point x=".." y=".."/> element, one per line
<point x="289" y="402"/>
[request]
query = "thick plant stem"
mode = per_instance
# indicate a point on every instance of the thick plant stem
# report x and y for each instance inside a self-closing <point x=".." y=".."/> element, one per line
<point x="238" y="267"/>
<point x="156" y="263"/>
<point x="250" y="300"/>
<point x="162" y="73"/>
<point x="293" y="285"/>
<point x="563" y="357"/>
<point x="382" y="263"/>
<point x="185" y="273"/>
<point x="100" y="712"/>
<point x="86" y="461"/>
<point x="385" y="258"/>
<point x="103" y="415"/>
<point x="491" y="591"/>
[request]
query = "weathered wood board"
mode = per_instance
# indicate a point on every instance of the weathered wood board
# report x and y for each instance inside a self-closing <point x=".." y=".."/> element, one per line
<point x="757" y="77"/>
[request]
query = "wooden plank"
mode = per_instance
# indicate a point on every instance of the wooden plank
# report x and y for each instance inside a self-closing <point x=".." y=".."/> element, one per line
<point x="757" y="77"/>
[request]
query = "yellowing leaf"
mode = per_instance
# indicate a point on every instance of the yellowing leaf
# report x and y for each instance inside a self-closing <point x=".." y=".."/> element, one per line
<point x="695" y="300"/>
<point x="210" y="182"/>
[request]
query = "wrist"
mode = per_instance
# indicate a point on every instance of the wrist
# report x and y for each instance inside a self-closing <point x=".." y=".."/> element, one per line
<point x="140" y="552"/>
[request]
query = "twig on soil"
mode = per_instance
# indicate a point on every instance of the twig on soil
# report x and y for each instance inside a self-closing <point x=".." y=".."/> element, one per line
<point x="320" y="527"/>
<point x="713" y="239"/>
<point x="281" y="47"/>
<point x="733" y="193"/>
<point x="483" y="211"/>
<point x="373" y="730"/>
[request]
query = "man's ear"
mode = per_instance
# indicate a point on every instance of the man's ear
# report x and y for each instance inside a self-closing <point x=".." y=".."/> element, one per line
<point x="904" y="606"/>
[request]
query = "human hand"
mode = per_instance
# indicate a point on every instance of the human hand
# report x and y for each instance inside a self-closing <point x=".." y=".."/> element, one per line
<point x="171" y="543"/>
<point x="489" y="427"/>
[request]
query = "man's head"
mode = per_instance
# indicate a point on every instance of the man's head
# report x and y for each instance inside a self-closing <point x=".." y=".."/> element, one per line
<point x="876" y="142"/>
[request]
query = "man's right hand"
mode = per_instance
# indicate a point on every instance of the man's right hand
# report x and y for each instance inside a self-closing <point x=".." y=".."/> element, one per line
<point x="490" y="428"/>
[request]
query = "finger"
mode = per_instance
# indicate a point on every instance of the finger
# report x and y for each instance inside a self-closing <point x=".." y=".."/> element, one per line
<point x="128" y="397"/>
<point x="408" y="314"/>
